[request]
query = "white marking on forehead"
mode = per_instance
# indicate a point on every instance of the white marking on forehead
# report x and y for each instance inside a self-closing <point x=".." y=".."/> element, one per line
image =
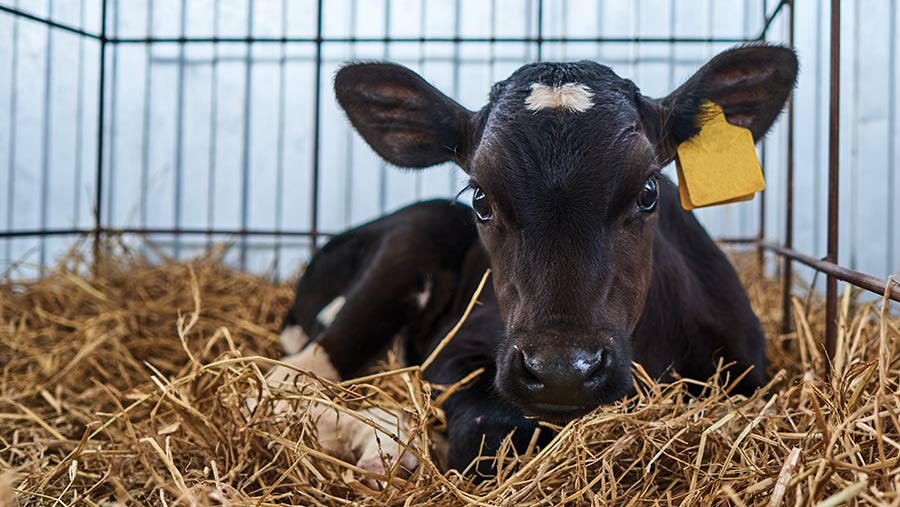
<point x="574" y="97"/>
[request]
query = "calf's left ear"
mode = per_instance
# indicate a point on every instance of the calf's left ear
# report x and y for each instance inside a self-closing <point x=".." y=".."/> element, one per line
<point x="751" y="83"/>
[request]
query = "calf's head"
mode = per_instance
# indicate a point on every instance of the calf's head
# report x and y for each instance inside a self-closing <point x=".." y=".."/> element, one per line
<point x="564" y="165"/>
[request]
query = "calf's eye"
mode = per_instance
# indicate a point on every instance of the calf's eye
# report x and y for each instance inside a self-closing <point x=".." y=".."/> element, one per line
<point x="649" y="195"/>
<point x="482" y="205"/>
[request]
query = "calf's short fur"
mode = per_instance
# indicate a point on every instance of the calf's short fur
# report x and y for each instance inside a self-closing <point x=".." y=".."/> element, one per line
<point x="594" y="263"/>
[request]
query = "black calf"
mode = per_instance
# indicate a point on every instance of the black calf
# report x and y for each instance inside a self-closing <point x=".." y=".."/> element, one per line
<point x="595" y="264"/>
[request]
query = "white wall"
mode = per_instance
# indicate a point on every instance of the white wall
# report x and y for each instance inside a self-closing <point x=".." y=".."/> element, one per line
<point x="188" y="125"/>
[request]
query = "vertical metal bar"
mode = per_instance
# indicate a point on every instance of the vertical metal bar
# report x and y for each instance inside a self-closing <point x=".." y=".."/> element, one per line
<point x="672" y="13"/>
<point x="145" y="123"/>
<point x="540" y="31"/>
<point x="422" y="46"/>
<point x="383" y="170"/>
<point x="831" y="297"/>
<point x="891" y="259"/>
<point x="317" y="110"/>
<point x="213" y="129"/>
<point x="853" y="233"/>
<point x="179" y="136"/>
<point x="245" y="154"/>
<point x="13" y="119"/>
<point x="79" y="125"/>
<point x="101" y="125"/>
<point x="47" y="139"/>
<point x="598" y="55"/>
<point x="113" y="119"/>
<point x="492" y="57"/>
<point x="457" y="62"/>
<point x="348" y="160"/>
<point x="817" y="139"/>
<point x="634" y="50"/>
<point x="761" y="230"/>
<point x="788" y="272"/>
<point x="279" y="164"/>
<point x="748" y="25"/>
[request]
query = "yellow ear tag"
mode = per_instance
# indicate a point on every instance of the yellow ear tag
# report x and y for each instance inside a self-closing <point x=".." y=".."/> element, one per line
<point x="719" y="165"/>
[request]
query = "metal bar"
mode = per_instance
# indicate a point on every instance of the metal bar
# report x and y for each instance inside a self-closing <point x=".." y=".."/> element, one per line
<point x="350" y="133"/>
<point x="279" y="163"/>
<point x="245" y="152"/>
<point x="634" y="49"/>
<point x="223" y="231"/>
<point x="47" y="139"/>
<point x="101" y="123"/>
<point x="145" y="121"/>
<point x="420" y="40"/>
<point x="317" y="111"/>
<point x="32" y="233"/>
<point x="46" y="21"/>
<point x="201" y="60"/>
<point x="383" y="167"/>
<point x="216" y="231"/>
<point x="862" y="280"/>
<point x="771" y="18"/>
<point x="671" y="58"/>
<point x="112" y="148"/>
<point x="13" y="119"/>
<point x="748" y="240"/>
<point x="213" y="127"/>
<point x="818" y="121"/>
<point x="79" y="126"/>
<point x="788" y="271"/>
<point x="891" y="261"/>
<point x="423" y="11"/>
<point x="457" y="63"/>
<point x="540" y="32"/>
<point x="831" y="297"/>
<point x="179" y="136"/>
<point x="761" y="230"/>
<point x="852" y="231"/>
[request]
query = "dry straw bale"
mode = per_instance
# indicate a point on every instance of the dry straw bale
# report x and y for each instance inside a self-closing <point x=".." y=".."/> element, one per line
<point x="122" y="384"/>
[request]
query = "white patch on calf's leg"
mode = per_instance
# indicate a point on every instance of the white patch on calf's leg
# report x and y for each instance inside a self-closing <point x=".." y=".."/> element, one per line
<point x="378" y="451"/>
<point x="573" y="97"/>
<point x="372" y="448"/>
<point x="423" y="297"/>
<point x="293" y="339"/>
<point x="313" y="359"/>
<point x="327" y="315"/>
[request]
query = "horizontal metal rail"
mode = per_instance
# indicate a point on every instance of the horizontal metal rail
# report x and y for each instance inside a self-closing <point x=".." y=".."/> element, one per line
<point x="24" y="233"/>
<point x="422" y="40"/>
<point x="49" y="22"/>
<point x="859" y="279"/>
<point x="739" y="240"/>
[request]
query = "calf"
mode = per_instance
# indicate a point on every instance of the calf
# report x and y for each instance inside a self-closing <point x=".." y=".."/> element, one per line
<point x="594" y="263"/>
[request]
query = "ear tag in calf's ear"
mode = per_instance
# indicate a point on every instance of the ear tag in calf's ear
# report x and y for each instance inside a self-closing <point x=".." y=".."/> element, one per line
<point x="719" y="165"/>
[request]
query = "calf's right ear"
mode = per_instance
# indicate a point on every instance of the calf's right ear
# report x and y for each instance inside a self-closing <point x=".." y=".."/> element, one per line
<point x="403" y="118"/>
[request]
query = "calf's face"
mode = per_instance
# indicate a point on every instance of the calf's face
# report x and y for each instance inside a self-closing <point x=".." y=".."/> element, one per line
<point x="564" y="167"/>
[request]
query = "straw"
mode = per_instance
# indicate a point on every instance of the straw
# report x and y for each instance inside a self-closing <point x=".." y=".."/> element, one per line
<point x="123" y="384"/>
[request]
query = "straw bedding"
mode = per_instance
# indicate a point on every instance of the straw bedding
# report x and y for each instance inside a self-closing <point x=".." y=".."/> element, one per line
<point x="122" y="384"/>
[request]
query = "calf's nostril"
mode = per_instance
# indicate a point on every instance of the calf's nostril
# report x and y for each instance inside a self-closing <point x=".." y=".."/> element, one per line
<point x="594" y="366"/>
<point x="530" y="370"/>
